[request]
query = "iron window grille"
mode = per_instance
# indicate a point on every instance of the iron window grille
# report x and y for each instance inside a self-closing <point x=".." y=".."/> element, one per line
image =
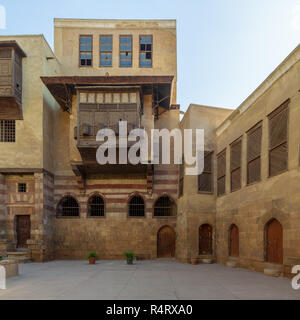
<point x="136" y="207"/>
<point x="96" y="207"/>
<point x="164" y="207"/>
<point x="22" y="187"/>
<point x="68" y="207"/>
<point x="7" y="131"/>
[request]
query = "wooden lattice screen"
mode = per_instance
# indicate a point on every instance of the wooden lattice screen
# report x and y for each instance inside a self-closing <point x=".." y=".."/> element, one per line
<point x="254" y="136"/>
<point x="205" y="180"/>
<point x="221" y="175"/>
<point x="278" y="147"/>
<point x="235" y="164"/>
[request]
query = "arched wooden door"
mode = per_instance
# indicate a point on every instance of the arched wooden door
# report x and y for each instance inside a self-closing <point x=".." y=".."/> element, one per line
<point x="274" y="242"/>
<point x="234" y="244"/>
<point x="166" y="238"/>
<point x="205" y="239"/>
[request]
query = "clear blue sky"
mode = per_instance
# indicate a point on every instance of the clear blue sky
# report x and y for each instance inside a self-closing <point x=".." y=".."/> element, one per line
<point x="226" y="48"/>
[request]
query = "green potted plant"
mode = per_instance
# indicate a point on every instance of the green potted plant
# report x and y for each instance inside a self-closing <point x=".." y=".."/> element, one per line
<point x="92" y="257"/>
<point x="129" y="256"/>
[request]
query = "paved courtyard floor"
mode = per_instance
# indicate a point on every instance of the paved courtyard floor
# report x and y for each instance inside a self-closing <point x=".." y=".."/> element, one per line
<point x="145" y="280"/>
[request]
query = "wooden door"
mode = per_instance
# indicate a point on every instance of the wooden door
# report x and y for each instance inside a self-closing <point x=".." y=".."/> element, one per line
<point x="274" y="245"/>
<point x="234" y="241"/>
<point x="205" y="239"/>
<point x="23" y="231"/>
<point x="166" y="242"/>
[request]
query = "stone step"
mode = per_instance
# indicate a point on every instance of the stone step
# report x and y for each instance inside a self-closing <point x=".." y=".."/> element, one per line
<point x="20" y="256"/>
<point x="272" y="272"/>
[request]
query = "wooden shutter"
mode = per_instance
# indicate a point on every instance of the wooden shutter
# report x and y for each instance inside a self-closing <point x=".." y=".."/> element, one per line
<point x="278" y="148"/>
<point x="205" y="179"/>
<point x="254" y="136"/>
<point x="235" y="164"/>
<point x="221" y="174"/>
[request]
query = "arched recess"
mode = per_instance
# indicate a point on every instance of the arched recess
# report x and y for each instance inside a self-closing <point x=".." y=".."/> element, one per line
<point x="274" y="242"/>
<point x="205" y="239"/>
<point x="234" y="241"/>
<point x="166" y="239"/>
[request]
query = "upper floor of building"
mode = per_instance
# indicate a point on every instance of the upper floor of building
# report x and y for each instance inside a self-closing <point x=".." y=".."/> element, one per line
<point x="116" y="47"/>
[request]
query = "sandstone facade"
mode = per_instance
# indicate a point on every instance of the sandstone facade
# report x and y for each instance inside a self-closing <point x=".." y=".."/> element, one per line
<point x="53" y="156"/>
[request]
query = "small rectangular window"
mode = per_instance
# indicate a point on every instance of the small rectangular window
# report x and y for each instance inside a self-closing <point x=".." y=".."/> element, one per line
<point x="125" y="51"/>
<point x="235" y="164"/>
<point x="221" y="174"/>
<point x="86" y="51"/>
<point x="205" y="179"/>
<point x="146" y="51"/>
<point x="22" y="187"/>
<point x="254" y="136"/>
<point x="278" y="145"/>
<point x="7" y="131"/>
<point x="106" y="51"/>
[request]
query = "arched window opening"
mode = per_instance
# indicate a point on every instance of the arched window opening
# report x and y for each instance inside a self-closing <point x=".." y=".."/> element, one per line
<point x="96" y="206"/>
<point x="68" y="207"/>
<point x="164" y="207"/>
<point x="136" y="207"/>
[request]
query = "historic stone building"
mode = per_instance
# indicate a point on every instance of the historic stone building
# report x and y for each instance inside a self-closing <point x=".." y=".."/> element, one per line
<point x="57" y="202"/>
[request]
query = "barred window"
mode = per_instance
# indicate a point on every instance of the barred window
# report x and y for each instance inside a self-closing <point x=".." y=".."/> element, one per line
<point x="96" y="206"/>
<point x="68" y="207"/>
<point x="146" y="51"/>
<point x="164" y="207"/>
<point x="205" y="179"/>
<point x="136" y="207"/>
<point x="106" y="51"/>
<point x="221" y="174"/>
<point x="22" y="187"/>
<point x="125" y="51"/>
<point x="235" y="164"/>
<point x="278" y="146"/>
<point x="7" y="131"/>
<point x="254" y="136"/>
<point x="86" y="51"/>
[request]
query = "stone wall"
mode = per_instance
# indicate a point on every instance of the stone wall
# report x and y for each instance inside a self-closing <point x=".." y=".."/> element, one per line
<point x="116" y="233"/>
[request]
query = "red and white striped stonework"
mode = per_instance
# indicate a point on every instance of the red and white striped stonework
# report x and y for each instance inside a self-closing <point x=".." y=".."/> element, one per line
<point x="2" y="203"/>
<point x="117" y="192"/>
<point x="48" y="195"/>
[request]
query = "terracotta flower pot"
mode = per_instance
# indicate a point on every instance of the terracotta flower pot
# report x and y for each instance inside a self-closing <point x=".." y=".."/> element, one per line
<point x="92" y="260"/>
<point x="194" y="260"/>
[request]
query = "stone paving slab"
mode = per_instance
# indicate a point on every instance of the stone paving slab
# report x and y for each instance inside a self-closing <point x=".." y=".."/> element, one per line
<point x="160" y="280"/>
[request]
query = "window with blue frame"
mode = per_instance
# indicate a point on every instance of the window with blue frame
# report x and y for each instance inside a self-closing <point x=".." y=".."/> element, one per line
<point x="125" y="51"/>
<point x="146" y="51"/>
<point x="106" y="51"/>
<point x="86" y="51"/>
